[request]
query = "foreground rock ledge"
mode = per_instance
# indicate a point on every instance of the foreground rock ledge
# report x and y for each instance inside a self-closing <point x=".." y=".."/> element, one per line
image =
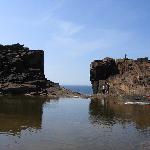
<point x="22" y="72"/>
<point x="125" y="76"/>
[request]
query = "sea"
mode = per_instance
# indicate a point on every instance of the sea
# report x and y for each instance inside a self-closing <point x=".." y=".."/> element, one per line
<point x="83" y="89"/>
<point x="35" y="123"/>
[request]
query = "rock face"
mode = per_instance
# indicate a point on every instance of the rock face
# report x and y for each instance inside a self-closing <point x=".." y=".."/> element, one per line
<point x="22" y="70"/>
<point x="125" y="76"/>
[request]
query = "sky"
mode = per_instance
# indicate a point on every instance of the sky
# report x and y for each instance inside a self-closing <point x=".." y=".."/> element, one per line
<point x="73" y="33"/>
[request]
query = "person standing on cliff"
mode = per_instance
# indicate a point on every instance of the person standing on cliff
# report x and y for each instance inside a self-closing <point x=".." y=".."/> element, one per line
<point x="125" y="56"/>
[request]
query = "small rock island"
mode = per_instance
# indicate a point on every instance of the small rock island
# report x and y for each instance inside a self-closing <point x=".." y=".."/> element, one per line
<point x="22" y="72"/>
<point x="124" y="76"/>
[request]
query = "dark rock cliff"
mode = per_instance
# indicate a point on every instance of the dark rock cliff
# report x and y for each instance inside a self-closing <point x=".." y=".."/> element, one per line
<point x="125" y="76"/>
<point x="22" y="70"/>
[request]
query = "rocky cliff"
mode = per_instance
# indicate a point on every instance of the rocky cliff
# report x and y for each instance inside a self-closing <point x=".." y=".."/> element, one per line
<point x="22" y="70"/>
<point x="125" y="76"/>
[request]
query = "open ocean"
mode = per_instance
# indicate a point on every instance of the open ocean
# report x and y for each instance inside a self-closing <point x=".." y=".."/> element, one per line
<point x="80" y="88"/>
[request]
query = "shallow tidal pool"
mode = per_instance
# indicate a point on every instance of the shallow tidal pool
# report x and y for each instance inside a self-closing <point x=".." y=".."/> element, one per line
<point x="72" y="124"/>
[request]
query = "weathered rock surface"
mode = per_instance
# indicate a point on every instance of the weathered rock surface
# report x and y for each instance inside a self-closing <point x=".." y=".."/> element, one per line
<point x="22" y="72"/>
<point x="125" y="76"/>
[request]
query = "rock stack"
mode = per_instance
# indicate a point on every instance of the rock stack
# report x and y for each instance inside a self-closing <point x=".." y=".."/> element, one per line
<point x="22" y="70"/>
<point x="125" y="76"/>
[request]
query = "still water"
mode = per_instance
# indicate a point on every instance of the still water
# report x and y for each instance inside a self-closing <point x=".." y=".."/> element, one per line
<point x="72" y="124"/>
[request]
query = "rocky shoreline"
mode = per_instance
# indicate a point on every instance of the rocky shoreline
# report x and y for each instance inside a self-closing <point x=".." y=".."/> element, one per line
<point x="53" y="92"/>
<point x="129" y="80"/>
<point x="122" y="99"/>
<point x="22" y="73"/>
<point x="125" y="76"/>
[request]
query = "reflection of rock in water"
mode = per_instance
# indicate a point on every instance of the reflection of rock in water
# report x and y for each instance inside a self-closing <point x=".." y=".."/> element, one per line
<point x="107" y="113"/>
<point x="21" y="113"/>
<point x="100" y="113"/>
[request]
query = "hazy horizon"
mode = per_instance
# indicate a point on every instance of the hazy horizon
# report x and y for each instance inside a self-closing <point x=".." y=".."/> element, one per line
<point x="73" y="33"/>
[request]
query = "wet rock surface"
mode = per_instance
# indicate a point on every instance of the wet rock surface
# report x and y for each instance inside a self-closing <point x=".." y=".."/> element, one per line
<point x="125" y="76"/>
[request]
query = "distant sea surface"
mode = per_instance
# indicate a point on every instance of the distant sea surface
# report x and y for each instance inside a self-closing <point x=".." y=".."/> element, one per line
<point x="80" y="88"/>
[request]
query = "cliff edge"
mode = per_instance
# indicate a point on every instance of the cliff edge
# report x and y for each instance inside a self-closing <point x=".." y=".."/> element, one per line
<point x="22" y="72"/>
<point x="125" y="76"/>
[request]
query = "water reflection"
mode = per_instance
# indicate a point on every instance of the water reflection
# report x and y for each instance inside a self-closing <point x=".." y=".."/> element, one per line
<point x="65" y="124"/>
<point x="20" y="113"/>
<point x="108" y="113"/>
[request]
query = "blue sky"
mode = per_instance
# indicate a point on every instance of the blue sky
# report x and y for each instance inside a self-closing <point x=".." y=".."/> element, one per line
<point x="75" y="32"/>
